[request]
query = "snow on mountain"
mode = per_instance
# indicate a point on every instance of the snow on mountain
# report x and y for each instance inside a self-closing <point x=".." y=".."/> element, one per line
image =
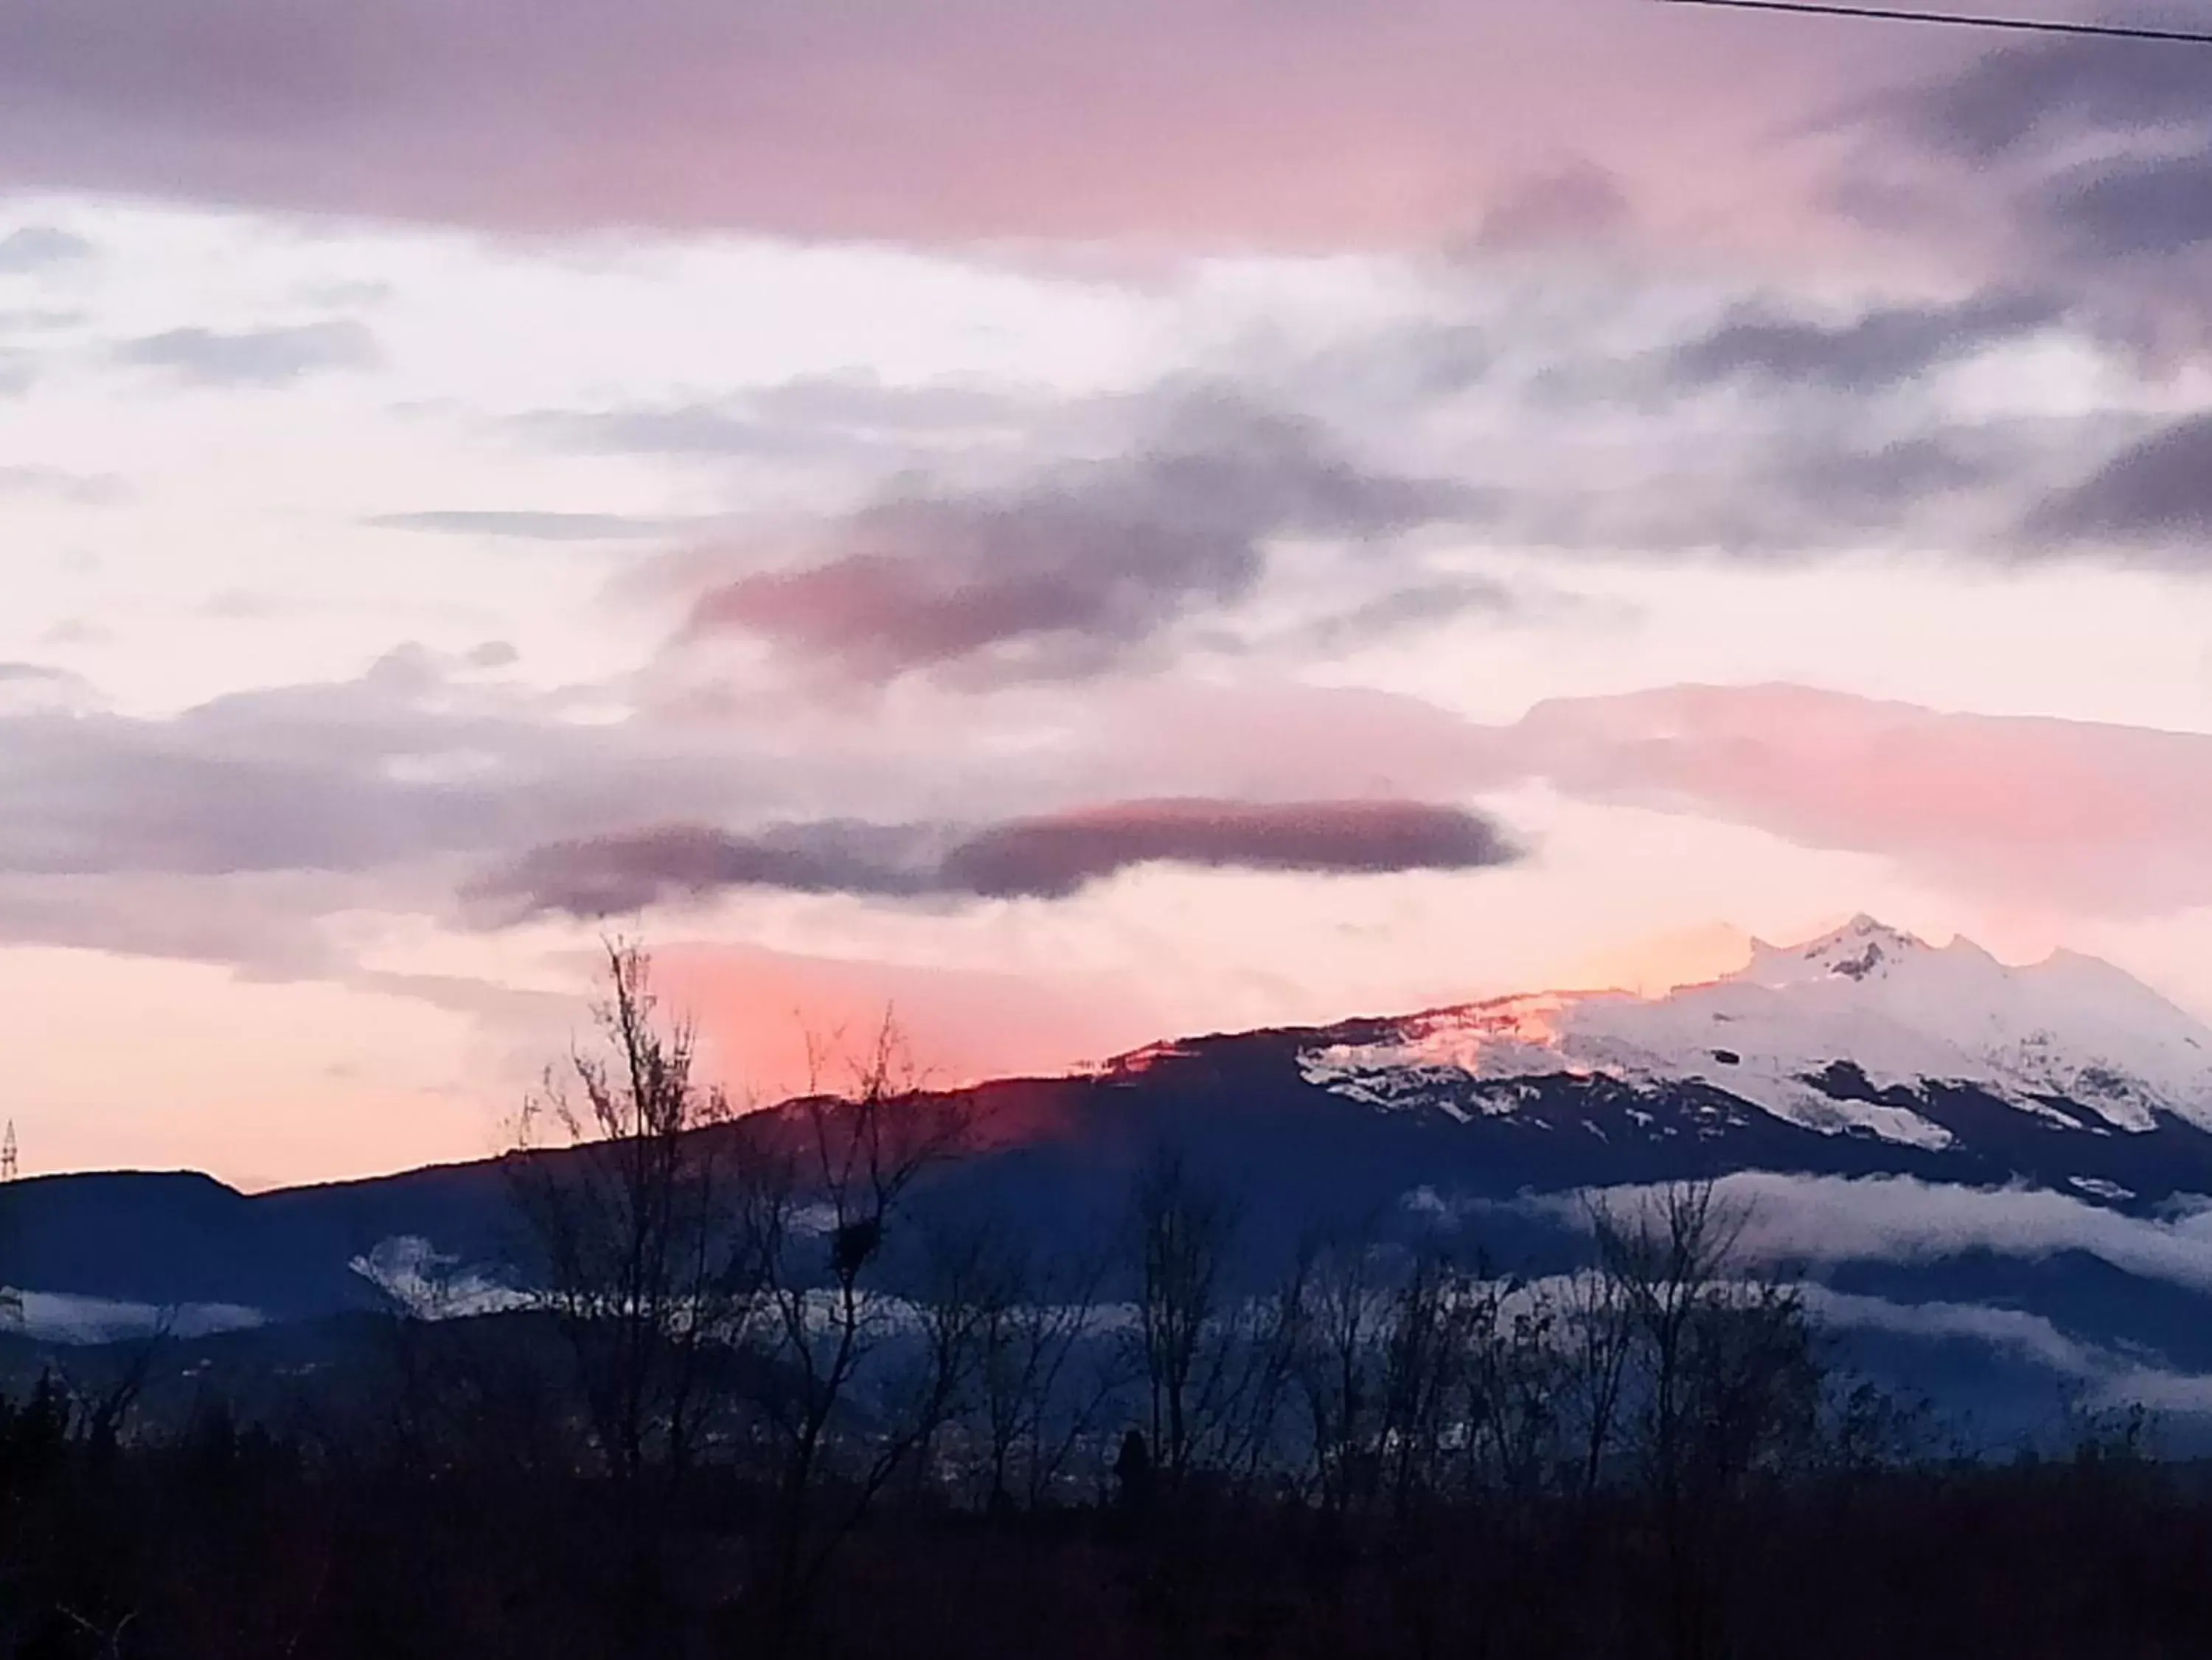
<point x="1905" y="1014"/>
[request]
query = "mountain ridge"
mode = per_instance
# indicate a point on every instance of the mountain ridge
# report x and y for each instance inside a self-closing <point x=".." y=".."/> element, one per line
<point x="1905" y="1014"/>
<point x="1930" y="1127"/>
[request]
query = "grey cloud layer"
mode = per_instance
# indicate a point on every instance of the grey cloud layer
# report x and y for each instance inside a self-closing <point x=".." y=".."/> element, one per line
<point x="2097" y="156"/>
<point x="1881" y="348"/>
<point x="1191" y="119"/>
<point x="2021" y="97"/>
<point x="397" y="765"/>
<point x="35" y="247"/>
<point x="811" y="416"/>
<point x="1758" y="425"/>
<point x="254" y="357"/>
<point x="524" y="526"/>
<point x="1079" y="566"/>
<point x="226" y="833"/>
<point x="228" y="830"/>
<point x="2156" y="493"/>
<point x="1049" y="857"/>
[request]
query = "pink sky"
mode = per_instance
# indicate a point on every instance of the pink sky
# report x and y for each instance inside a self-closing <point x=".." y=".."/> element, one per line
<point x="1073" y="526"/>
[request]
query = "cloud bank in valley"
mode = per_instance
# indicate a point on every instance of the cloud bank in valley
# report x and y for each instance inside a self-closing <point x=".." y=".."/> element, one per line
<point x="1823" y="1220"/>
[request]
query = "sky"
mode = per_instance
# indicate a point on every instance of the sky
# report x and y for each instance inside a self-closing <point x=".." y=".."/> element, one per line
<point x="1070" y="525"/>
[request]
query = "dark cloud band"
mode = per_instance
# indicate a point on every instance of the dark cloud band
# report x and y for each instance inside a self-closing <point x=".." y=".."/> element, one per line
<point x="1044" y="858"/>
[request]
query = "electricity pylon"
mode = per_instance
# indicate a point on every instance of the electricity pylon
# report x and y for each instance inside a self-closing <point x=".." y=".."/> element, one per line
<point x="11" y="1297"/>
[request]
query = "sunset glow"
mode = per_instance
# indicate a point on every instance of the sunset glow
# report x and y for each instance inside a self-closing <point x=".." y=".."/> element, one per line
<point x="1071" y="529"/>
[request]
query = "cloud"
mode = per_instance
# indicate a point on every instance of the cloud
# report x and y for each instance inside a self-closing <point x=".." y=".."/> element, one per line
<point x="2029" y="1336"/>
<point x="528" y="526"/>
<point x="2089" y="163"/>
<point x="35" y="247"/>
<point x="254" y="357"/>
<point x="1796" y="1223"/>
<point x="1572" y="204"/>
<point x="1745" y="424"/>
<point x="2157" y="206"/>
<point x="1181" y="120"/>
<point x="59" y="1319"/>
<point x="235" y="832"/>
<point x="424" y="757"/>
<point x="2156" y="493"/>
<point x="2041" y="97"/>
<point x="609" y="876"/>
<point x="1077" y="569"/>
<point x="1045" y="857"/>
<point x="391" y="789"/>
<point x="1425" y="603"/>
<point x="832" y="416"/>
<point x="1853" y="485"/>
<point x="59" y="484"/>
<point x="403" y="764"/>
<point x="1876" y="350"/>
<point x="27" y="687"/>
<point x="19" y="372"/>
<point x="1817" y="1221"/>
<point x="414" y="1275"/>
<point x="2120" y="1378"/>
<point x="2106" y="819"/>
<point x="263" y="924"/>
<point x="1053" y="857"/>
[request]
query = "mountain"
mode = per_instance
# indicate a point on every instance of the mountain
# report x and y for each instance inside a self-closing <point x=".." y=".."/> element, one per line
<point x="1868" y="1031"/>
<point x="1990" y="1177"/>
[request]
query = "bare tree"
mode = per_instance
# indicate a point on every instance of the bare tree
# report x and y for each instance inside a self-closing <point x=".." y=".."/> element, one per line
<point x="1667" y="1261"/>
<point x="1724" y="1375"/>
<point x="1597" y="1333"/>
<point x="1214" y="1364"/>
<point x="838" y="1171"/>
<point x="1342" y="1352"/>
<point x="1515" y="1364"/>
<point x="1036" y="1401"/>
<point x="1434" y="1314"/>
<point x="626" y="1174"/>
<point x="101" y="1405"/>
<point x="1184" y="1230"/>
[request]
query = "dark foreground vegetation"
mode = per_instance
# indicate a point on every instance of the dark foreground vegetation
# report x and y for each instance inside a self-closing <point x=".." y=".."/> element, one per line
<point x="760" y="1402"/>
<point x="242" y="1545"/>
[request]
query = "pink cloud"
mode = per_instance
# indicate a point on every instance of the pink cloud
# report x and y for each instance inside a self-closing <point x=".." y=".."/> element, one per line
<point x="1216" y="120"/>
<point x="2097" y="818"/>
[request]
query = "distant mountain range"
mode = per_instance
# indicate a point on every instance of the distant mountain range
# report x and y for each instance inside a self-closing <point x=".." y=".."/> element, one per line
<point x="1993" y="1177"/>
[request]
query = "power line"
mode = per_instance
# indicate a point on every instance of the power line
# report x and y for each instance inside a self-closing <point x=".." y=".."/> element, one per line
<point x="1962" y="19"/>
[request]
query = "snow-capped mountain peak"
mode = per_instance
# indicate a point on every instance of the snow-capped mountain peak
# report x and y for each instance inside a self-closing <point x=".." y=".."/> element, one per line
<point x="1849" y="1033"/>
<point x="1861" y="948"/>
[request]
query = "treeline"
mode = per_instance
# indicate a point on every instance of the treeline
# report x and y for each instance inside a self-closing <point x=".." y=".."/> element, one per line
<point x="761" y="1401"/>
